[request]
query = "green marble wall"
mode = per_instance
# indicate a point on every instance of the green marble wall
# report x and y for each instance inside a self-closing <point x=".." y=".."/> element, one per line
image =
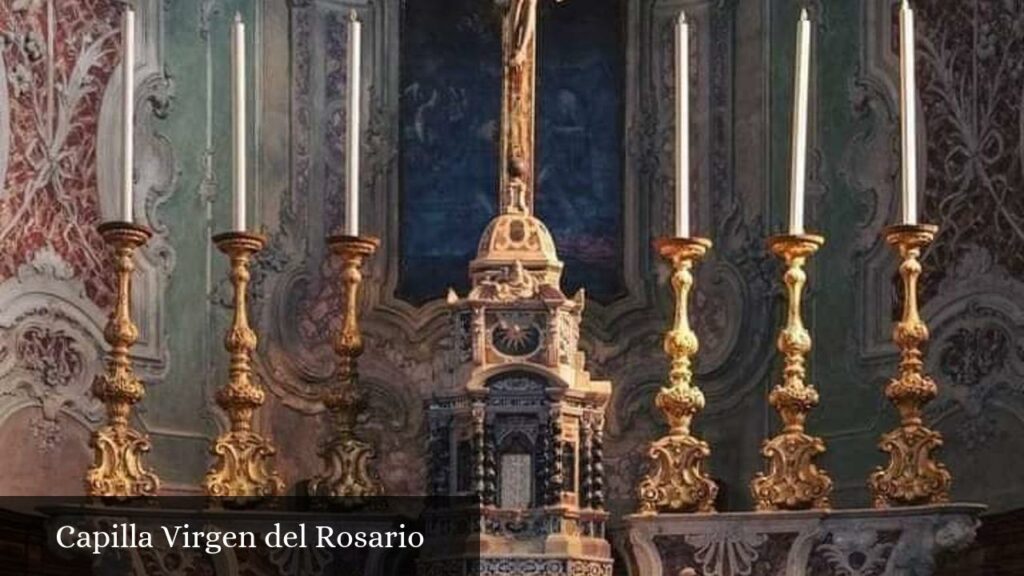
<point x="848" y="416"/>
<point x="199" y="128"/>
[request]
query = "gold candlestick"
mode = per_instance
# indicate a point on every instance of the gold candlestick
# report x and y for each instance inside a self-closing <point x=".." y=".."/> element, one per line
<point x="677" y="481"/>
<point x="117" y="470"/>
<point x="347" y="459"/>
<point x="243" y="460"/>
<point x="912" y="476"/>
<point x="793" y="482"/>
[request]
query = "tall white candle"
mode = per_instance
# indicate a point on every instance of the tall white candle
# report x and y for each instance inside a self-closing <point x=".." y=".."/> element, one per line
<point x="238" y="120"/>
<point x="352" y="133"/>
<point x="908" y="108"/>
<point x="682" y="127"/>
<point x="128" y="115"/>
<point x="798" y="173"/>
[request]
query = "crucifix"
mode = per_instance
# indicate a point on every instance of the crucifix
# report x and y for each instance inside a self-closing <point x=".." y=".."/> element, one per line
<point x="519" y="56"/>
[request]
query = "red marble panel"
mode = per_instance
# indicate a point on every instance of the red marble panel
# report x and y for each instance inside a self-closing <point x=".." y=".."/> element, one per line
<point x="58" y="57"/>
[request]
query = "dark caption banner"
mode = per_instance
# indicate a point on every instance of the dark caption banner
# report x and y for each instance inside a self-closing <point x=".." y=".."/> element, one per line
<point x="386" y="536"/>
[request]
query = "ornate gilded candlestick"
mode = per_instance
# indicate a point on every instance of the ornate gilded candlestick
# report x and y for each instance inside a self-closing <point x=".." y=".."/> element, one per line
<point x="347" y="459"/>
<point x="117" y="470"/>
<point x="912" y="476"/>
<point x="793" y="482"/>
<point x="677" y="481"/>
<point x="243" y="460"/>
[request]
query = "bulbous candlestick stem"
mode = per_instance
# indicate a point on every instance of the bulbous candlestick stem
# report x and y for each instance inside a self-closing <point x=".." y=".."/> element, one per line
<point x="677" y="481"/>
<point x="243" y="466"/>
<point x="347" y="460"/>
<point x="912" y="476"/>
<point x="117" y="470"/>
<point x="793" y="481"/>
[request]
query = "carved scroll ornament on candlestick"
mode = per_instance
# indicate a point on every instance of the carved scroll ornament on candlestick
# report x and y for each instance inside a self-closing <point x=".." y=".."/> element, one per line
<point x="117" y="470"/>
<point x="677" y="481"/>
<point x="243" y="465"/>
<point x="912" y="475"/>
<point x="348" y="470"/>
<point x="793" y="481"/>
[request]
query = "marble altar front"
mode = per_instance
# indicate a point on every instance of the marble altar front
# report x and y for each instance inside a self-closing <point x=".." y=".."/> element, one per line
<point x="858" y="542"/>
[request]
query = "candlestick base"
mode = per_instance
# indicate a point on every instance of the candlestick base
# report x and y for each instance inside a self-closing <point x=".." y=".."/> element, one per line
<point x="677" y="481"/>
<point x="118" y="471"/>
<point x="793" y="481"/>
<point x="243" y="466"/>
<point x="347" y="470"/>
<point x="912" y="476"/>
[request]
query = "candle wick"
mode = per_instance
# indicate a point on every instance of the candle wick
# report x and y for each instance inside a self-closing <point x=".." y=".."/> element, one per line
<point x="682" y="17"/>
<point x="238" y="18"/>
<point x="803" y="15"/>
<point x="353" y="16"/>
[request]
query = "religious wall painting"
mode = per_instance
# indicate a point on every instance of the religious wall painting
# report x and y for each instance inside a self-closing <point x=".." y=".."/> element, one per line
<point x="450" y="94"/>
<point x="450" y="97"/>
<point x="580" y="134"/>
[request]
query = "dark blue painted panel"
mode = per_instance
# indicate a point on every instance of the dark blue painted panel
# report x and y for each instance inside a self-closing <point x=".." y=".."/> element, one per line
<point x="580" y="140"/>
<point x="450" y="100"/>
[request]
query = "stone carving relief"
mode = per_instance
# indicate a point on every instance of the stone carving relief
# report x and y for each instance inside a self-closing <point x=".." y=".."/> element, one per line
<point x="853" y="552"/>
<point x="726" y="554"/>
<point x="723" y="553"/>
<point x="917" y="550"/>
<point x="844" y="543"/>
<point x="49" y="346"/>
<point x="977" y="355"/>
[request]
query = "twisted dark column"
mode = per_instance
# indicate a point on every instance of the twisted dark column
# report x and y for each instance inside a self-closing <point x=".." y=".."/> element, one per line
<point x="489" y="466"/>
<point x="597" y="464"/>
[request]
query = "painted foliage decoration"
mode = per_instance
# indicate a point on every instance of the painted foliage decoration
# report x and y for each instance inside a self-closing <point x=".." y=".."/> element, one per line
<point x="55" y="60"/>
<point x="972" y="76"/>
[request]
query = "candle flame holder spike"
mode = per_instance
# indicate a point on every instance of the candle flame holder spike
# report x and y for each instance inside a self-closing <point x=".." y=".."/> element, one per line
<point x="117" y="471"/>
<point x="347" y="471"/>
<point x="677" y="481"/>
<point x="912" y="475"/>
<point x="243" y="467"/>
<point x="793" y="481"/>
